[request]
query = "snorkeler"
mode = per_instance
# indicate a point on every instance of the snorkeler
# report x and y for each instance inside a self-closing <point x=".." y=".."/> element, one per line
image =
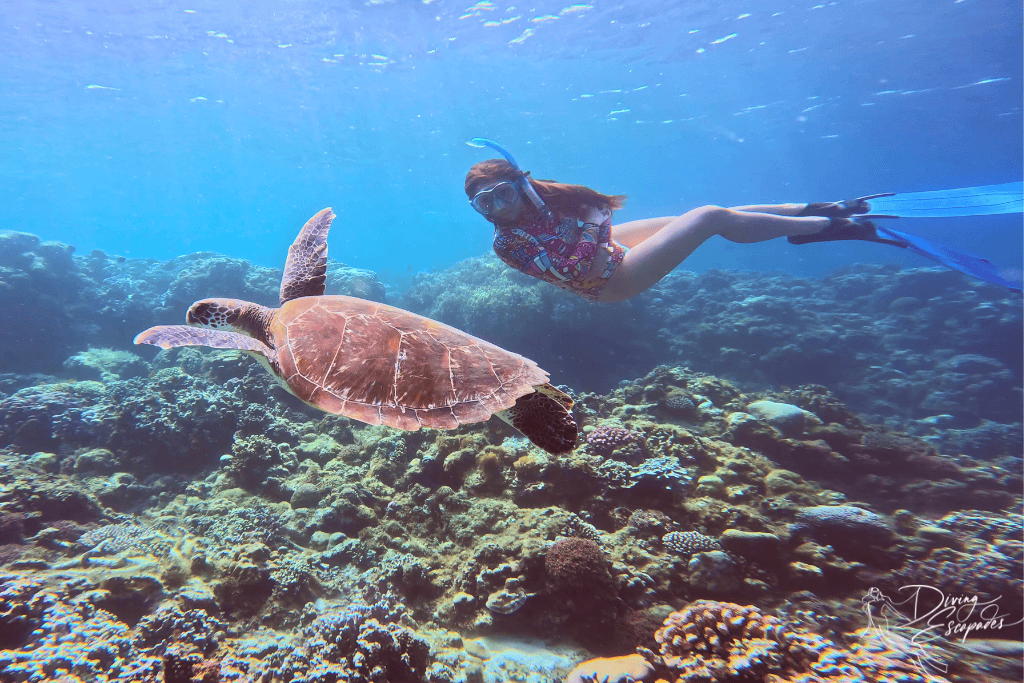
<point x="563" y="234"/>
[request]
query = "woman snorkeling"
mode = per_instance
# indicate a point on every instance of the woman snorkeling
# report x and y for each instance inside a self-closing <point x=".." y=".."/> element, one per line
<point x="563" y="233"/>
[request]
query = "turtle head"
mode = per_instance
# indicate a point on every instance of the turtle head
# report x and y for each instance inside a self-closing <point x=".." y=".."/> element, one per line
<point x="217" y="314"/>
<point x="234" y="315"/>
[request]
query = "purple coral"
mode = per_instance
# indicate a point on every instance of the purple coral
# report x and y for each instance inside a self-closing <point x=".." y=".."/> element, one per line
<point x="618" y="443"/>
<point x="577" y="564"/>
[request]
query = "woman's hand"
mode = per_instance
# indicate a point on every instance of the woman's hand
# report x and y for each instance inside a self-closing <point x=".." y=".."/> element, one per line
<point x="599" y="263"/>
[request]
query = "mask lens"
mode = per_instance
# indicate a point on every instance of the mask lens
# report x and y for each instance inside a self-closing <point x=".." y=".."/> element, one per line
<point x="483" y="201"/>
<point x="506" y="191"/>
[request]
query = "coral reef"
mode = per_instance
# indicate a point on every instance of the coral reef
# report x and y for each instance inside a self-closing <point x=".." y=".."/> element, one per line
<point x="100" y="301"/>
<point x="192" y="521"/>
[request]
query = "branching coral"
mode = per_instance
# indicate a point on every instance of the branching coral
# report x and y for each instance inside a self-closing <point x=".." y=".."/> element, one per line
<point x="618" y="443"/>
<point x="169" y="624"/>
<point x="72" y="638"/>
<point x="240" y="526"/>
<point x="112" y="539"/>
<point x="721" y="641"/>
<point x="357" y="643"/>
<point x="648" y="522"/>
<point x="252" y="459"/>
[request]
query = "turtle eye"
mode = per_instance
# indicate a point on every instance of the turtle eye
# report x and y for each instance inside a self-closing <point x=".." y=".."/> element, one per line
<point x="198" y="314"/>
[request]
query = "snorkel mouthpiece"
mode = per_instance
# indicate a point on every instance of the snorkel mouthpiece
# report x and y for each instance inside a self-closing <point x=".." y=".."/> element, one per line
<point x="522" y="180"/>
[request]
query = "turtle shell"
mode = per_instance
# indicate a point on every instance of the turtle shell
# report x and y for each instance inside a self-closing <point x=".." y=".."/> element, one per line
<point x="383" y="365"/>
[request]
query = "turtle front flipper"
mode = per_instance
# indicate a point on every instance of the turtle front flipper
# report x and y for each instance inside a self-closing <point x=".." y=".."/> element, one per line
<point x="544" y="417"/>
<point x="305" y="271"/>
<point x="170" y="336"/>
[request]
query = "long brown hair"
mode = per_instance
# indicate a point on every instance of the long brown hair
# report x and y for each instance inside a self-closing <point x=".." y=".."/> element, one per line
<point x="563" y="199"/>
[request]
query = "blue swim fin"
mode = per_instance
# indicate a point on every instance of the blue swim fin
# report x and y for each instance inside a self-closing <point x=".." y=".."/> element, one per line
<point x="863" y="229"/>
<point x="964" y="201"/>
<point x="975" y="266"/>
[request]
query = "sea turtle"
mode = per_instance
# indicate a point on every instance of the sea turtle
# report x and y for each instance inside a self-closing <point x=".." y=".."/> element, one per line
<point x="373" y="362"/>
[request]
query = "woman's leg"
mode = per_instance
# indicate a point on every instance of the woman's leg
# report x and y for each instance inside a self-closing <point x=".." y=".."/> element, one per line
<point x="634" y="232"/>
<point x="777" y="209"/>
<point x="655" y="257"/>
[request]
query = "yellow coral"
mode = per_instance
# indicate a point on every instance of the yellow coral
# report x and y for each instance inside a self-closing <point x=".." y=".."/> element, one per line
<point x="611" y="670"/>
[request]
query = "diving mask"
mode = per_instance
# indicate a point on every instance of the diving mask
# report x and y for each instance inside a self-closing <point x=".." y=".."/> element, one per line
<point x="523" y="183"/>
<point x="483" y="201"/>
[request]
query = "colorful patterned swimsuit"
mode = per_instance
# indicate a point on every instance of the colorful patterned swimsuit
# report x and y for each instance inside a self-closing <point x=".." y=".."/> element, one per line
<point x="561" y="250"/>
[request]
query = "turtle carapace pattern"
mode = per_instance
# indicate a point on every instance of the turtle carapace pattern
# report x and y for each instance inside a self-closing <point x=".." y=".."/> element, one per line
<point x="373" y="362"/>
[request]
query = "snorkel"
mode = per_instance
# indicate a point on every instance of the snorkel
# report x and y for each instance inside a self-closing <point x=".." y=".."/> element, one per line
<point x="521" y="180"/>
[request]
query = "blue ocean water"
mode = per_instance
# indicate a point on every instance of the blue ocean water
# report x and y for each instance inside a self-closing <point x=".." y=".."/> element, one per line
<point x="153" y="130"/>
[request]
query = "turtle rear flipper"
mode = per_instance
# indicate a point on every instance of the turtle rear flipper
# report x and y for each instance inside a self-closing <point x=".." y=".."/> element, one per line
<point x="170" y="336"/>
<point x="305" y="271"/>
<point x="545" y="420"/>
